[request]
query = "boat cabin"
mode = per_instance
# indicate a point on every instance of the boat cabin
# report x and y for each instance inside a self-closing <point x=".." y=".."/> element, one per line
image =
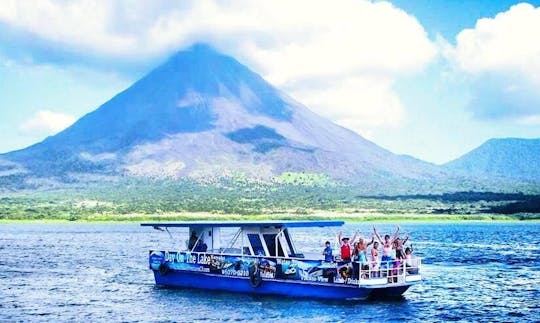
<point x="252" y="238"/>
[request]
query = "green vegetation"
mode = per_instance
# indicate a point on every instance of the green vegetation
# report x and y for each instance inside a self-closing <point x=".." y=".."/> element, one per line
<point x="236" y="217"/>
<point x="294" y="196"/>
<point x="306" y="179"/>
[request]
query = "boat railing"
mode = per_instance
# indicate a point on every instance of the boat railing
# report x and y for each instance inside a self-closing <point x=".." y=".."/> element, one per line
<point x="390" y="272"/>
<point x="364" y="274"/>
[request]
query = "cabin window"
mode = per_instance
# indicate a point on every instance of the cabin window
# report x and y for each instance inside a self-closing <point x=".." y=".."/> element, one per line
<point x="290" y="244"/>
<point x="256" y="244"/>
<point x="270" y="240"/>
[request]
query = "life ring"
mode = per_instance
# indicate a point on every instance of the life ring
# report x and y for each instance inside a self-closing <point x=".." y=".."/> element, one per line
<point x="164" y="269"/>
<point x="255" y="279"/>
<point x="345" y="272"/>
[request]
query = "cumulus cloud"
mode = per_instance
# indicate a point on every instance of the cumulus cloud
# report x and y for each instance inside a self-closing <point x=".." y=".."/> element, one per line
<point x="501" y="56"/>
<point x="346" y="47"/>
<point x="47" y="122"/>
<point x="508" y="42"/>
<point x="356" y="102"/>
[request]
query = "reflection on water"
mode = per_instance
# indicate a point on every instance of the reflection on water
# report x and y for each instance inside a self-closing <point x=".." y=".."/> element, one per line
<point x="98" y="272"/>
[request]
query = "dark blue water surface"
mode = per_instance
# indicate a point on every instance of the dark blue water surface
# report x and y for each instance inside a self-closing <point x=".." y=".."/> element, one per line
<point x="99" y="272"/>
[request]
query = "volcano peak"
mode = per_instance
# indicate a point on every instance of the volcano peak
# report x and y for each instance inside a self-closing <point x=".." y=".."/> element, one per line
<point x="207" y="114"/>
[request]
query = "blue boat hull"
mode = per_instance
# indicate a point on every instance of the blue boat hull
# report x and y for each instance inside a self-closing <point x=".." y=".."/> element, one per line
<point x="269" y="286"/>
<point x="390" y="292"/>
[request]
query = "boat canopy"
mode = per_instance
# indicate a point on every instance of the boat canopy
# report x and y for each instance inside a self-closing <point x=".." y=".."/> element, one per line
<point x="237" y="224"/>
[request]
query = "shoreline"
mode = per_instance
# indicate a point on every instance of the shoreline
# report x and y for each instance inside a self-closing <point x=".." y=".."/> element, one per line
<point x="347" y="217"/>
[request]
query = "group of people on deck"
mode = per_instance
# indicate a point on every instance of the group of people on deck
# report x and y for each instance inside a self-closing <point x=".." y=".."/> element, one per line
<point x="394" y="253"/>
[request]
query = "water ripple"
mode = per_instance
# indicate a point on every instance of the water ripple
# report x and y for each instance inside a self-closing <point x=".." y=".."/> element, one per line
<point x="98" y="272"/>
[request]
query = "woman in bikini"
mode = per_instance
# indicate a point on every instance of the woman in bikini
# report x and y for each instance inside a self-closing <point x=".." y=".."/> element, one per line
<point x="400" y="256"/>
<point x="387" y="256"/>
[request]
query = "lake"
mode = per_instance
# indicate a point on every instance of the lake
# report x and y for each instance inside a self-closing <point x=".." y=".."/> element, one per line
<point x="99" y="272"/>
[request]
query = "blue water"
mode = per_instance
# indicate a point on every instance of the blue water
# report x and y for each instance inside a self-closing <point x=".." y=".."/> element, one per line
<point x="98" y="272"/>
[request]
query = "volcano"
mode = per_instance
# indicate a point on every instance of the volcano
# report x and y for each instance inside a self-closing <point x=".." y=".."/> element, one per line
<point x="202" y="115"/>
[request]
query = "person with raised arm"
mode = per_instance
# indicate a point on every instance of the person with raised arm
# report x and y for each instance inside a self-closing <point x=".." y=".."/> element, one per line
<point x="398" y="246"/>
<point x="375" y="260"/>
<point x="346" y="249"/>
<point x="360" y="253"/>
<point x="387" y="248"/>
<point x="360" y="249"/>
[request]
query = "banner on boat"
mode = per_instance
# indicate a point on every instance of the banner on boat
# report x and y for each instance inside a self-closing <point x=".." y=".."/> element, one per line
<point x="273" y="268"/>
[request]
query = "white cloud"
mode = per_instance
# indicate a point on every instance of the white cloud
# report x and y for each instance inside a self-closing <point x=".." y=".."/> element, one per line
<point x="47" y="122"/>
<point x="510" y="42"/>
<point x="532" y="120"/>
<point x="501" y="56"/>
<point x="345" y="46"/>
<point x="356" y="102"/>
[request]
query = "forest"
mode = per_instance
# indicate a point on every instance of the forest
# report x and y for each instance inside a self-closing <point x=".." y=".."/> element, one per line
<point x="182" y="200"/>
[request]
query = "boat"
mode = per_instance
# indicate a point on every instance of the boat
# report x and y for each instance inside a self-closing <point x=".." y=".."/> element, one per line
<point x="261" y="258"/>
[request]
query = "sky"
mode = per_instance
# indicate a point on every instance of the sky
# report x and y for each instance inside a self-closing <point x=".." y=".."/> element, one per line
<point x="431" y="79"/>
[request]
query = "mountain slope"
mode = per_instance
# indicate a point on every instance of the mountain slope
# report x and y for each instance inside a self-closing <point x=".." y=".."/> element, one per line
<point x="204" y="115"/>
<point x="510" y="158"/>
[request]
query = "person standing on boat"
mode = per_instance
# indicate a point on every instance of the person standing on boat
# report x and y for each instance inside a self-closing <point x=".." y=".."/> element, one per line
<point x="375" y="259"/>
<point x="412" y="267"/>
<point x="361" y="252"/>
<point x="398" y="246"/>
<point x="361" y="248"/>
<point x="346" y="249"/>
<point x="328" y="256"/>
<point x="387" y="248"/>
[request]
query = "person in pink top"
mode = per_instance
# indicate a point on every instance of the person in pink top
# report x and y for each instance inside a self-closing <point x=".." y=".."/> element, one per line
<point x="375" y="260"/>
<point x="388" y="248"/>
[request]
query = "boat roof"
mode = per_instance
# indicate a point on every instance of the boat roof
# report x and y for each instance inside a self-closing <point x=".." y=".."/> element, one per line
<point x="288" y="224"/>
